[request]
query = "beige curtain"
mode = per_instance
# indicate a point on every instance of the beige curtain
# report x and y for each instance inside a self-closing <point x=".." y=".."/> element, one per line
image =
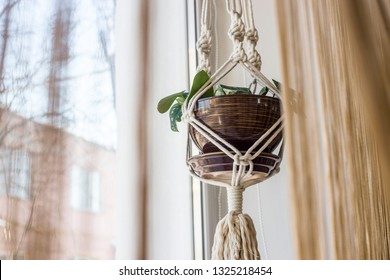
<point x="336" y="73"/>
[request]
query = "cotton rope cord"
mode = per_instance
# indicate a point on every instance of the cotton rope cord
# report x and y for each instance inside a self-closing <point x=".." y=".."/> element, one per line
<point x="203" y="45"/>
<point x="216" y="56"/>
<point x="235" y="198"/>
<point x="219" y="203"/>
<point x="235" y="236"/>
<point x="251" y="35"/>
<point x="261" y="223"/>
<point x="237" y="33"/>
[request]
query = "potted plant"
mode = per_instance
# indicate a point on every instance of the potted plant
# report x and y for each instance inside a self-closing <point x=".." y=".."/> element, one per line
<point x="237" y="114"/>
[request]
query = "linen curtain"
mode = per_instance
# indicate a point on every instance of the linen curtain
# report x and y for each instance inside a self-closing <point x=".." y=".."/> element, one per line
<point x="336" y="69"/>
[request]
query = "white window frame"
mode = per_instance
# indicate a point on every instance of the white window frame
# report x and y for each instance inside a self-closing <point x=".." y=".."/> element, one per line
<point x="85" y="189"/>
<point x="15" y="173"/>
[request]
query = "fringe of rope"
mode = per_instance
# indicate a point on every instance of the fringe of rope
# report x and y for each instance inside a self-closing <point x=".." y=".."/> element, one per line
<point x="235" y="238"/>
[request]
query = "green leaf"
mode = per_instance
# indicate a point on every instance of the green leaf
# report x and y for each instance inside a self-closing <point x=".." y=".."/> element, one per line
<point x="277" y="84"/>
<point x="264" y="91"/>
<point x="200" y="79"/>
<point x="175" y="116"/>
<point x="235" y="90"/>
<point x="165" y="103"/>
<point x="182" y="98"/>
<point x="219" y="91"/>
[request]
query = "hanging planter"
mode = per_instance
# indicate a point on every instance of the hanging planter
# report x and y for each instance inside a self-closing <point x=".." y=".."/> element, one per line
<point x="240" y="120"/>
<point x="236" y="130"/>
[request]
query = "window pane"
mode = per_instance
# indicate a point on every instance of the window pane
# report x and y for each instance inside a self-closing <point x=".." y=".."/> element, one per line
<point x="57" y="128"/>
<point x="85" y="190"/>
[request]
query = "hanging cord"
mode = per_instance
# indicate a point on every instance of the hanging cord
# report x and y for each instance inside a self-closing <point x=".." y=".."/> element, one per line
<point x="251" y="34"/>
<point x="219" y="203"/>
<point x="261" y="223"/>
<point x="216" y="67"/>
<point x="203" y="45"/>
<point x="216" y="56"/>
<point x="237" y="30"/>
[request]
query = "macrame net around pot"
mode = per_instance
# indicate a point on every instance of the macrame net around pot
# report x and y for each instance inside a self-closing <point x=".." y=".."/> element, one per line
<point x="236" y="134"/>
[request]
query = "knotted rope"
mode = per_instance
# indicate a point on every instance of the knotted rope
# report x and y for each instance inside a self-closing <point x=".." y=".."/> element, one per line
<point x="251" y="35"/>
<point x="236" y="31"/>
<point x="203" y="45"/>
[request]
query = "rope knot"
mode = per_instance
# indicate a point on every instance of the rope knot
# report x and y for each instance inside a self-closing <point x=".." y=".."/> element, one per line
<point x="238" y="55"/>
<point x="237" y="29"/>
<point x="252" y="35"/>
<point x="186" y="117"/>
<point x="254" y="58"/>
<point x="203" y="44"/>
<point x="241" y="160"/>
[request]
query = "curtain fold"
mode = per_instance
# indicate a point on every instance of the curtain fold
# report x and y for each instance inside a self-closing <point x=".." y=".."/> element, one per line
<point x="337" y="99"/>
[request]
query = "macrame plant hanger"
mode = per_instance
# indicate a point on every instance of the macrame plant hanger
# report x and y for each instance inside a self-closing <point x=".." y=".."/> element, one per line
<point x="235" y="236"/>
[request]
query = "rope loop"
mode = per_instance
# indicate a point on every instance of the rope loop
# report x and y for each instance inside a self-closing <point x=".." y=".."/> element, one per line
<point x="234" y="6"/>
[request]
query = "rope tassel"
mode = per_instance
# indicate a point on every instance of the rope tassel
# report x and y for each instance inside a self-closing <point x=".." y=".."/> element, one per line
<point x="235" y="235"/>
<point x="235" y="238"/>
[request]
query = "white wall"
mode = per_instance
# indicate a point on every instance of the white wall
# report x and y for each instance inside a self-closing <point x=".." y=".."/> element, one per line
<point x="171" y="205"/>
<point x="169" y="216"/>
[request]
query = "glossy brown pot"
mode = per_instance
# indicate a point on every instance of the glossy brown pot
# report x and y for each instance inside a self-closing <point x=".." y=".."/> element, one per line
<point x="238" y="119"/>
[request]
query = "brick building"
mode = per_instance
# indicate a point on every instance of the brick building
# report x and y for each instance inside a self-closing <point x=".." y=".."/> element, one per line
<point x="56" y="193"/>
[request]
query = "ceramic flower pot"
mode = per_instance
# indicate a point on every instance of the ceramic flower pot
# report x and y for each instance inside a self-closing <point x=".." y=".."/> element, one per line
<point x="239" y="119"/>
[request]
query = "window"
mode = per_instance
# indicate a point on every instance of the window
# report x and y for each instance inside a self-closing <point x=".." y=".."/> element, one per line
<point x="85" y="190"/>
<point x="57" y="101"/>
<point x="15" y="173"/>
